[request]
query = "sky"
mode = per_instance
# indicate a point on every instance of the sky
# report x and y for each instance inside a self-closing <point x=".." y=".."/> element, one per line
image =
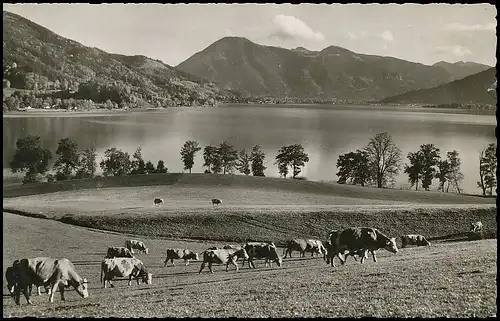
<point x="174" y="32"/>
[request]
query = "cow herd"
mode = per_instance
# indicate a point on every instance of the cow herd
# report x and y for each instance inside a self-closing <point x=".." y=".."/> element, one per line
<point x="120" y="261"/>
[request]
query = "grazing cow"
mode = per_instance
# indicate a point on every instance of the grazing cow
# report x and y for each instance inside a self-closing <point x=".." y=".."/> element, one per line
<point x="185" y="254"/>
<point x="413" y="239"/>
<point x="295" y="245"/>
<point x="216" y="201"/>
<point x="222" y="256"/>
<point x="124" y="267"/>
<point x="118" y="251"/>
<point x="158" y="201"/>
<point x="360" y="239"/>
<point x="55" y="273"/>
<point x="138" y="245"/>
<point x="12" y="277"/>
<point x="476" y="227"/>
<point x="267" y="251"/>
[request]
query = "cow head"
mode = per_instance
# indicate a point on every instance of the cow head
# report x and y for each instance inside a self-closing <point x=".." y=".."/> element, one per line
<point x="82" y="288"/>
<point x="274" y="254"/>
<point x="147" y="278"/>
<point x="391" y="246"/>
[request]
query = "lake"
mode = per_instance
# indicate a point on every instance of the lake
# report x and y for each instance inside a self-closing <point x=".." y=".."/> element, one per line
<point x="325" y="132"/>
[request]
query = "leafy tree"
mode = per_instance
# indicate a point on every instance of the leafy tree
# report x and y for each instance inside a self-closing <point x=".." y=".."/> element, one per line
<point x="384" y="158"/>
<point x="68" y="159"/>
<point x="430" y="159"/>
<point x="212" y="159"/>
<point x="487" y="168"/>
<point x="228" y="157"/>
<point x="354" y="167"/>
<point x="150" y="168"/>
<point x="188" y="152"/>
<point x="454" y="177"/>
<point x="160" y="167"/>
<point x="88" y="164"/>
<point x="293" y="156"/>
<point x="443" y="174"/>
<point x="116" y="162"/>
<point x="257" y="158"/>
<point x="414" y="170"/>
<point x="138" y="165"/>
<point x="30" y="157"/>
<point x="243" y="164"/>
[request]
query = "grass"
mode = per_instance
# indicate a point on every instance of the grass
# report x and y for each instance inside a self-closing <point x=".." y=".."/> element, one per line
<point x="445" y="280"/>
<point x="253" y="208"/>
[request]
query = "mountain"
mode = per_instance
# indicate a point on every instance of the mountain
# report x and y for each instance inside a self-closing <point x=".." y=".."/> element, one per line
<point x="469" y="90"/>
<point x="461" y="69"/>
<point x="35" y="58"/>
<point x="334" y="72"/>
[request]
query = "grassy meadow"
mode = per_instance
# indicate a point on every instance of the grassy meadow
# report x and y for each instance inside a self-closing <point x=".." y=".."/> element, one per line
<point x="454" y="279"/>
<point x="79" y="219"/>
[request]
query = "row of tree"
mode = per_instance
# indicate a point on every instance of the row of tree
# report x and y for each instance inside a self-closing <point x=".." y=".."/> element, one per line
<point x="380" y="161"/>
<point x="376" y="164"/>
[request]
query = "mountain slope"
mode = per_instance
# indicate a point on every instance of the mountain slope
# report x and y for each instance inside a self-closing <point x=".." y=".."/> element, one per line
<point x="333" y="72"/>
<point x="469" y="90"/>
<point x="36" y="58"/>
<point x="461" y="69"/>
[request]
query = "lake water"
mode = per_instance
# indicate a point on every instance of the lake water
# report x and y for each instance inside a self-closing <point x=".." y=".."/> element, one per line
<point x="325" y="132"/>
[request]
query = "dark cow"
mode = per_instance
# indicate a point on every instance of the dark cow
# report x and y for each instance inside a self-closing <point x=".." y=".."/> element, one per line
<point x="54" y="273"/>
<point x="158" y="201"/>
<point x="295" y="245"/>
<point x="222" y="256"/>
<point x="360" y="239"/>
<point x="12" y="277"/>
<point x="413" y="239"/>
<point x="216" y="201"/>
<point x="138" y="245"/>
<point x="124" y="267"/>
<point x="267" y="251"/>
<point x="118" y="251"/>
<point x="185" y="254"/>
<point x="476" y="226"/>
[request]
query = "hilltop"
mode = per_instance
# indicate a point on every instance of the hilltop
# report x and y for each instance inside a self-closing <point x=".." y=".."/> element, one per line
<point x="332" y="73"/>
<point x="461" y="69"/>
<point x="38" y="60"/>
<point x="469" y="90"/>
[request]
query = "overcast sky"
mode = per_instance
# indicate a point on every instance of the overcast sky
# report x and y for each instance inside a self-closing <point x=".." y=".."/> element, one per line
<point x="172" y="33"/>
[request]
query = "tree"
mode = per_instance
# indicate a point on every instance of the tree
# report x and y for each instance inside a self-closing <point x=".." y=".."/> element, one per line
<point x="353" y="167"/>
<point x="384" y="158"/>
<point x="257" y="159"/>
<point x="293" y="156"/>
<point x="212" y="159"/>
<point x="68" y="160"/>
<point x="88" y="164"/>
<point x="115" y="162"/>
<point x="228" y="156"/>
<point x="138" y="165"/>
<point x="188" y="152"/>
<point x="150" y="168"/>
<point x="487" y="168"/>
<point x="454" y="175"/>
<point x="243" y="164"/>
<point x="430" y="159"/>
<point x="443" y="174"/>
<point x="414" y="170"/>
<point x="160" y="167"/>
<point x="30" y="157"/>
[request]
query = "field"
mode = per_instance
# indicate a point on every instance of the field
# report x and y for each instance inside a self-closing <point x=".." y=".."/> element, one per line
<point x="452" y="279"/>
<point x="447" y="279"/>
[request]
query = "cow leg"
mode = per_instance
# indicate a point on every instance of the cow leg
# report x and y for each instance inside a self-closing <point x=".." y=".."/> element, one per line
<point x="130" y="280"/>
<point x="202" y="267"/>
<point x="105" y="281"/>
<point x="53" y="291"/>
<point x="27" y="295"/>
<point x="165" y="263"/>
<point x="374" y="257"/>
<point x="342" y="261"/>
<point x="38" y="290"/>
<point x="210" y="267"/>
<point x="186" y="262"/>
<point x="172" y="261"/>
<point x="61" y="289"/>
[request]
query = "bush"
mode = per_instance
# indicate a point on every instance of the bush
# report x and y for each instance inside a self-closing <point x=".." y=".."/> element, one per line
<point x="50" y="178"/>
